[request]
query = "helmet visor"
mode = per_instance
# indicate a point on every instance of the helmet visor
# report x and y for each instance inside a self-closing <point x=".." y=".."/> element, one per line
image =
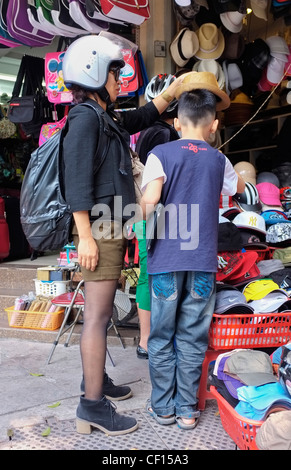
<point x="123" y="43"/>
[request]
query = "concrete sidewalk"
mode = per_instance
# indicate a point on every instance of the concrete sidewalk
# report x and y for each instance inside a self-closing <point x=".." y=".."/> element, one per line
<point x="36" y="397"/>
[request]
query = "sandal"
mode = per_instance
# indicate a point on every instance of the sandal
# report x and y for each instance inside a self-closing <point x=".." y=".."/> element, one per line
<point x="183" y="425"/>
<point x="164" y="420"/>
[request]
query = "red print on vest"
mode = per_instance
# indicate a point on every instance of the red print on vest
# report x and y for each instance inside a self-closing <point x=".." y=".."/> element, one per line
<point x="193" y="148"/>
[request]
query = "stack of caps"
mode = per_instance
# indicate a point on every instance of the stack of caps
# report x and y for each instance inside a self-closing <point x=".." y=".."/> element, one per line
<point x="265" y="296"/>
<point x="252" y="227"/>
<point x="245" y="378"/>
<point x="231" y="301"/>
<point x="234" y="266"/>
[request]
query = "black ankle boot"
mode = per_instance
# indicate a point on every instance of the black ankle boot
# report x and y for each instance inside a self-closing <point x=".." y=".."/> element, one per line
<point x="111" y="391"/>
<point x="101" y="414"/>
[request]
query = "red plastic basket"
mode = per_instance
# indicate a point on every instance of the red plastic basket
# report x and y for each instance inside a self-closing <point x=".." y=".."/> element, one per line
<point x="241" y="430"/>
<point x="243" y="331"/>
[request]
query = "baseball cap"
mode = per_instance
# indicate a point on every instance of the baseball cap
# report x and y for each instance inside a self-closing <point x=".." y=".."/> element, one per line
<point x="252" y="239"/>
<point x="252" y="274"/>
<point x="279" y="233"/>
<point x="230" y="383"/>
<point x="231" y="301"/>
<point x="274" y="217"/>
<point x="269" y="266"/>
<point x="270" y="303"/>
<point x="233" y="264"/>
<point x="228" y="263"/>
<point x="256" y="290"/>
<point x="269" y="194"/>
<point x="284" y="254"/>
<point x="282" y="276"/>
<point x="229" y="237"/>
<point x="250" y="220"/>
<point x="250" y="367"/>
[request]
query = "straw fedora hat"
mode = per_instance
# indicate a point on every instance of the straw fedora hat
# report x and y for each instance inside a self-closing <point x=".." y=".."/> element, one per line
<point x="184" y="46"/>
<point x="205" y="80"/>
<point x="211" y="42"/>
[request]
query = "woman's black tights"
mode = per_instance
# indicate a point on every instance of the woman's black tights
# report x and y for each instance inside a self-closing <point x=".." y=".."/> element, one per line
<point x="99" y="298"/>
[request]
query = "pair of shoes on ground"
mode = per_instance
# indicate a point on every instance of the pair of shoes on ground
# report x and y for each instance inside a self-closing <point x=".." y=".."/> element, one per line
<point x="111" y="391"/>
<point x="101" y="414"/>
<point x="166" y="420"/>
<point x="141" y="353"/>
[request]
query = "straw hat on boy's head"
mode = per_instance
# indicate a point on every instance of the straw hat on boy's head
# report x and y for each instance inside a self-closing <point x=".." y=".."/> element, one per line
<point x="207" y="81"/>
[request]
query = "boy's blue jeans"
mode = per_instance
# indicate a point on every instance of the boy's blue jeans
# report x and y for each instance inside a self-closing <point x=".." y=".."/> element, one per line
<point x="182" y="304"/>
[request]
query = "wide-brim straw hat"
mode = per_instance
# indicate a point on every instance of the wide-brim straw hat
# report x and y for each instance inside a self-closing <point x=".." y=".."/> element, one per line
<point x="184" y="46"/>
<point x="207" y="81"/>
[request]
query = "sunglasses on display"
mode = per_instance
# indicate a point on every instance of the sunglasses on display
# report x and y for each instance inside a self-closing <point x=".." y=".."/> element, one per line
<point x="116" y="72"/>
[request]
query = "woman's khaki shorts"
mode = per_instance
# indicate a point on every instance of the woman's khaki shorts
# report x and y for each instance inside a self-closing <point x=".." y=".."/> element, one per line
<point x="112" y="246"/>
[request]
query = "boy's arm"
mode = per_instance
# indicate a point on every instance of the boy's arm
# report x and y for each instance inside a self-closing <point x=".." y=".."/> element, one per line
<point x="240" y="184"/>
<point x="151" y="196"/>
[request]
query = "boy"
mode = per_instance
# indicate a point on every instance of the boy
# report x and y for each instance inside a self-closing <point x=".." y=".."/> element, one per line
<point x="187" y="176"/>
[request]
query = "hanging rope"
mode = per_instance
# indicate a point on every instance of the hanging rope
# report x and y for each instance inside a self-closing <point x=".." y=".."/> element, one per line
<point x="258" y="110"/>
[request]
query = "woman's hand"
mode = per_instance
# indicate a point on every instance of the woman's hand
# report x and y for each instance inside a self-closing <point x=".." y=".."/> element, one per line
<point x="162" y="101"/>
<point x="88" y="253"/>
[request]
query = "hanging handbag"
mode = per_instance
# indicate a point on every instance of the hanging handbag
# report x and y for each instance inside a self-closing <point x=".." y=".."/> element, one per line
<point x="29" y="105"/>
<point x="49" y="129"/>
<point x="79" y="15"/>
<point x="7" y="128"/>
<point x="130" y="11"/>
<point x="57" y="91"/>
<point x="129" y="75"/>
<point x="94" y="10"/>
<point x="20" y="28"/>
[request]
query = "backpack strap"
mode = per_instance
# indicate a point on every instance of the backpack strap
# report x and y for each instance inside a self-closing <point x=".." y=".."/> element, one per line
<point x="104" y="133"/>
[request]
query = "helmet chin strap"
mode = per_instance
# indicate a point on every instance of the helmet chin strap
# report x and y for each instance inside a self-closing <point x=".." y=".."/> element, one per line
<point x="101" y="95"/>
<point x="104" y="95"/>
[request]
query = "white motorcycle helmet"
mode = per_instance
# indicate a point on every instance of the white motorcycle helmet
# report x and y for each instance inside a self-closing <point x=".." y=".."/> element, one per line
<point x="87" y="60"/>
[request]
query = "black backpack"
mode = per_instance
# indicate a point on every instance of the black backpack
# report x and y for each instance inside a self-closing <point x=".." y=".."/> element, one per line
<point x="44" y="214"/>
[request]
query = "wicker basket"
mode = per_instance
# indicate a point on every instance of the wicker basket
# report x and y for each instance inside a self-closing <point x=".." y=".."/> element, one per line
<point x="35" y="320"/>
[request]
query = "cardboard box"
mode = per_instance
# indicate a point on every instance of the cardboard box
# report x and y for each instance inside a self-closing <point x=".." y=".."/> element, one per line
<point x="52" y="273"/>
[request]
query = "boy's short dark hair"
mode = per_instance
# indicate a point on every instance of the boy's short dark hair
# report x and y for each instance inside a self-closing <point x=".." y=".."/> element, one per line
<point x="197" y="106"/>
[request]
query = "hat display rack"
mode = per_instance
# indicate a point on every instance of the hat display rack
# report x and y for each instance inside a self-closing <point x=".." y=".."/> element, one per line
<point x="211" y="38"/>
<point x="255" y="227"/>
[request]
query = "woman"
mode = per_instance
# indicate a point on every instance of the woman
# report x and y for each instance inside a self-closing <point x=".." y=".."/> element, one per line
<point x="91" y="69"/>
